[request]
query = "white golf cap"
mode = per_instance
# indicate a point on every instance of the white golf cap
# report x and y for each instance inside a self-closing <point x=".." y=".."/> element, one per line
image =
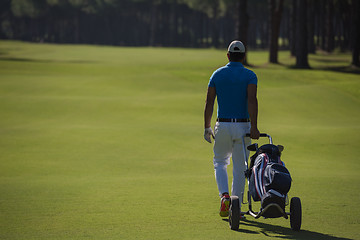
<point x="236" y="46"/>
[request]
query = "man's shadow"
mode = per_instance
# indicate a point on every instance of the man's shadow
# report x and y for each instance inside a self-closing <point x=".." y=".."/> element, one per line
<point x="283" y="232"/>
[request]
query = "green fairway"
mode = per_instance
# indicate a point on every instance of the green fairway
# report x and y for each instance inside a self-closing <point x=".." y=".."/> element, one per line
<point x="107" y="143"/>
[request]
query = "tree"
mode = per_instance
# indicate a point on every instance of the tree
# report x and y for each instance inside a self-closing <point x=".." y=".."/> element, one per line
<point x="355" y="32"/>
<point x="214" y="9"/>
<point x="310" y="27"/>
<point x="215" y="6"/>
<point x="344" y="8"/>
<point x="293" y="28"/>
<point x="329" y="27"/>
<point x="153" y="23"/>
<point x="181" y="23"/>
<point x="301" y="35"/>
<point x="242" y="23"/>
<point x="275" y="7"/>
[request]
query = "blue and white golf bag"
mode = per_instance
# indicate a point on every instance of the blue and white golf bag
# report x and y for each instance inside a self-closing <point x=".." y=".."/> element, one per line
<point x="269" y="180"/>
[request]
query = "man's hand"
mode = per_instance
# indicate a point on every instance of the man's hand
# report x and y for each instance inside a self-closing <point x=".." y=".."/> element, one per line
<point x="208" y="133"/>
<point x="254" y="133"/>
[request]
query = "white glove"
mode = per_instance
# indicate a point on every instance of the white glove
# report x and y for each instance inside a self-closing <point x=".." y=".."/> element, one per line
<point x="208" y="134"/>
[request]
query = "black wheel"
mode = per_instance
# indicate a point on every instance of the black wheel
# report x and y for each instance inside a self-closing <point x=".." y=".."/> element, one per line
<point x="234" y="213"/>
<point x="295" y="214"/>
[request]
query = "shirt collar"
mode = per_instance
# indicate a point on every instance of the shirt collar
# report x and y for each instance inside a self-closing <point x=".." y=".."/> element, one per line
<point x="235" y="64"/>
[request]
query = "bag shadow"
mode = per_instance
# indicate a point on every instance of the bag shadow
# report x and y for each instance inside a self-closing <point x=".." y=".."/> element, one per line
<point x="274" y="231"/>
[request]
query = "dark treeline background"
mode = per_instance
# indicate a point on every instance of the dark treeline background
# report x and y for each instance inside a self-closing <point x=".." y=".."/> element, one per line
<point x="297" y="25"/>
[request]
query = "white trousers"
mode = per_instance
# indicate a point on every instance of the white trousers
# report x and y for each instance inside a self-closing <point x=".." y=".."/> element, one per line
<point x="229" y="143"/>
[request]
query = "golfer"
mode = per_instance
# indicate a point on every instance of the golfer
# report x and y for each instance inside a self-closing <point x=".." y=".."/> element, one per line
<point x="235" y="88"/>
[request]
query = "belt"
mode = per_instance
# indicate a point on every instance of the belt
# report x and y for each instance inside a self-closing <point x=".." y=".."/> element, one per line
<point x="233" y="120"/>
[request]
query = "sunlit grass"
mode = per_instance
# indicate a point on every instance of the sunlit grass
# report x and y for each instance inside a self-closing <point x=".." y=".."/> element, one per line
<point x="107" y="143"/>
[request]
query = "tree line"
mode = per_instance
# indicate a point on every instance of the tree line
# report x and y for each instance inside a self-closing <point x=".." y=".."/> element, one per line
<point x="301" y="26"/>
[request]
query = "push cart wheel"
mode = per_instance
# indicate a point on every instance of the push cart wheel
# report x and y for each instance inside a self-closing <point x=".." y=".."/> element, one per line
<point x="295" y="213"/>
<point x="234" y="213"/>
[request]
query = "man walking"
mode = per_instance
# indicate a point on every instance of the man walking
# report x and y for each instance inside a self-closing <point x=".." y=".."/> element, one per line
<point x="235" y="88"/>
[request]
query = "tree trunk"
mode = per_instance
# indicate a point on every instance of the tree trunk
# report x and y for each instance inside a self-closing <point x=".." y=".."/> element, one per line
<point x="310" y="25"/>
<point x="329" y="42"/>
<point x="276" y="7"/>
<point x="242" y="24"/>
<point x="77" y="27"/>
<point x="153" y="24"/>
<point x="173" y="24"/>
<point x="242" y="21"/>
<point x="317" y="24"/>
<point x="285" y="33"/>
<point x="322" y="23"/>
<point x="293" y="29"/>
<point x="355" y="32"/>
<point x="346" y="22"/>
<point x="215" y="29"/>
<point x="264" y="35"/>
<point x="301" y="35"/>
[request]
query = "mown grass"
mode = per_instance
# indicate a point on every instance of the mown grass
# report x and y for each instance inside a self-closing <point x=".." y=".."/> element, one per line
<point x="106" y="143"/>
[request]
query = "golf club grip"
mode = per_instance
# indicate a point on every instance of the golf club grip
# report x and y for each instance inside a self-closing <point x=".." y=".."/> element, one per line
<point x="261" y="135"/>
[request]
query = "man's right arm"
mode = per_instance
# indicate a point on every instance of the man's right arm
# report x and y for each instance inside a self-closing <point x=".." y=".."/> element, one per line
<point x="253" y="110"/>
<point x="209" y="106"/>
<point x="208" y="112"/>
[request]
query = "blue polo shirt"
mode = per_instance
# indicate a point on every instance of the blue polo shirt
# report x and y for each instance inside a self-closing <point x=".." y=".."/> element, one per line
<point x="231" y="82"/>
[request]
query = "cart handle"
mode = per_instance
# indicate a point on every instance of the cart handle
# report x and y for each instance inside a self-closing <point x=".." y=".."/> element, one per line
<point x="262" y="135"/>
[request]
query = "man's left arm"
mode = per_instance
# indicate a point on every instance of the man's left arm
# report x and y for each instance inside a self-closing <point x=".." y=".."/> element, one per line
<point x="253" y="110"/>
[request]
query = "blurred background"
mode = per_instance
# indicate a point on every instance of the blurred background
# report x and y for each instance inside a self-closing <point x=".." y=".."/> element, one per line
<point x="302" y="26"/>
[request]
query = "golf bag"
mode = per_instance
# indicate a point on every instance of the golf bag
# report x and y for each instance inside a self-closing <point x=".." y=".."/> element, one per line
<point x="269" y="180"/>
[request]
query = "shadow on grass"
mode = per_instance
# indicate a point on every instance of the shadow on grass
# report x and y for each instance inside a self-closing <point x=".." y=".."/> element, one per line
<point x="274" y="231"/>
<point x="340" y="69"/>
<point x="326" y="59"/>
<point x="14" y="59"/>
<point x="343" y="65"/>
